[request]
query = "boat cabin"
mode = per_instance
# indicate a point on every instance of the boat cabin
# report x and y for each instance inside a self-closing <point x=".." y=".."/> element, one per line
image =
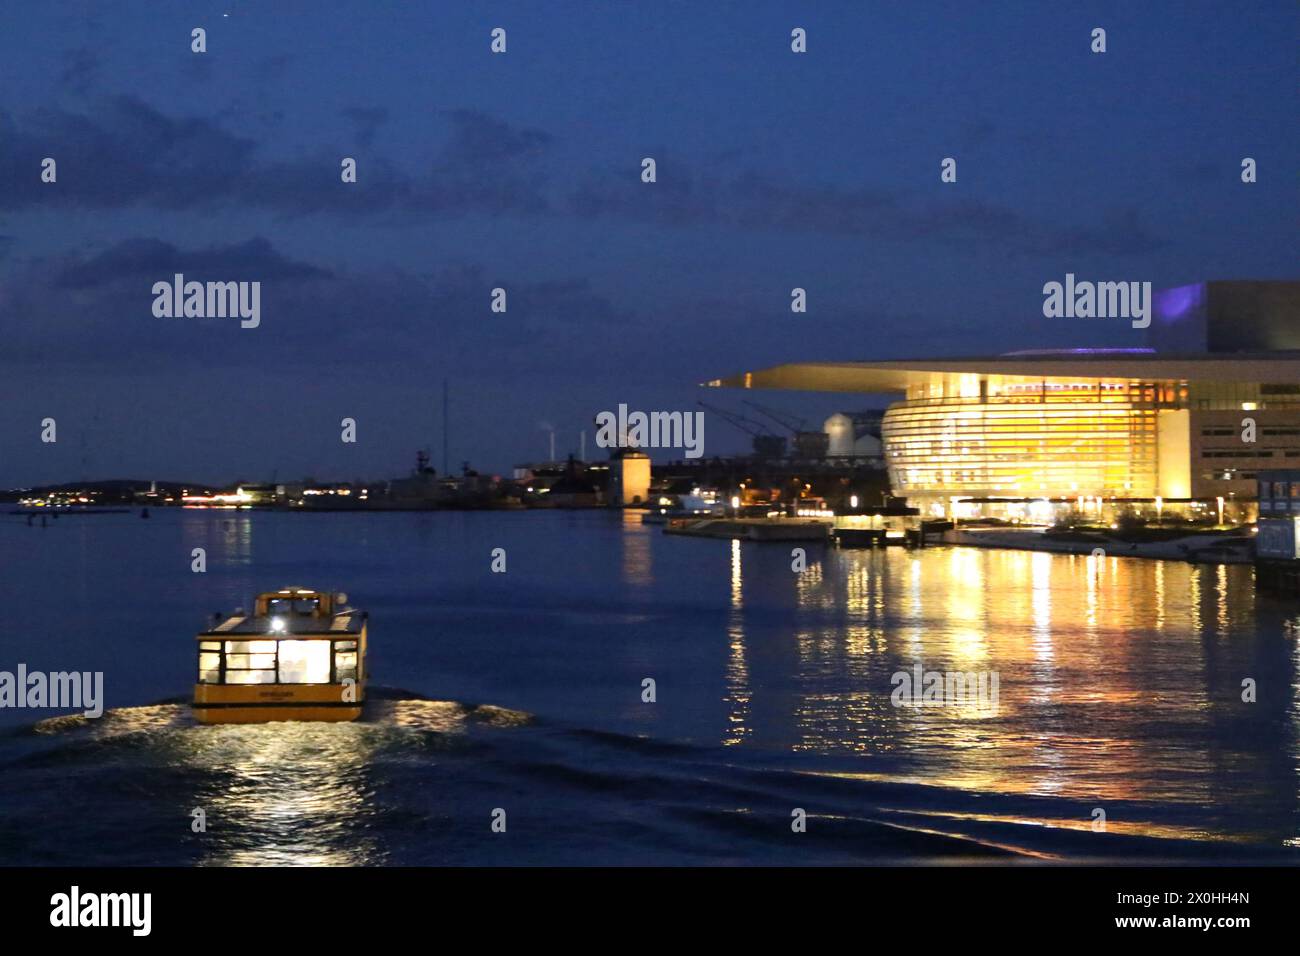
<point x="299" y="656"/>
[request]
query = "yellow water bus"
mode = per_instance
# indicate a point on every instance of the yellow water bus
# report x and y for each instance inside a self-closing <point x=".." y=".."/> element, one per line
<point x="301" y="655"/>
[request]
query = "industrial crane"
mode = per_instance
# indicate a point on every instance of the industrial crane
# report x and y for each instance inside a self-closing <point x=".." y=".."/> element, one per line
<point x="809" y="444"/>
<point x="766" y="444"/>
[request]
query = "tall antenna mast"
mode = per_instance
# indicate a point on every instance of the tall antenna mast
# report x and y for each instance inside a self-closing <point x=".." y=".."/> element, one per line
<point x="444" y="427"/>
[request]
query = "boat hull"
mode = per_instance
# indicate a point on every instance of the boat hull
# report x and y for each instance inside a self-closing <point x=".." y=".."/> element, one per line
<point x="264" y="703"/>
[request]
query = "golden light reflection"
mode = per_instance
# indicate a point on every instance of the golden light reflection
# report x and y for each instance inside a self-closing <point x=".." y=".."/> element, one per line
<point x="1159" y="592"/>
<point x="1221" y="597"/>
<point x="1092" y="654"/>
<point x="287" y="794"/>
<point x="1043" y="685"/>
<point x="290" y="799"/>
<point x="1194" y="603"/>
<point x="965" y="609"/>
<point x="738" y="692"/>
<point x="638" y="555"/>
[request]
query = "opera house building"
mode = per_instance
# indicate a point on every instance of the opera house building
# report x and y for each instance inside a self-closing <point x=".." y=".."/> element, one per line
<point x="1187" y="419"/>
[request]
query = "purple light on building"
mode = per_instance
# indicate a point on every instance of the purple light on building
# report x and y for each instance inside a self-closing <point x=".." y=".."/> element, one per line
<point x="1178" y="319"/>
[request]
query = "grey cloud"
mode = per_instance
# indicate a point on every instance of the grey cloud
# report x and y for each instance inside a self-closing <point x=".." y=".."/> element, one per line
<point x="152" y="259"/>
<point x="81" y="70"/>
<point x="750" y="200"/>
<point x="92" y="309"/>
<point x="130" y="154"/>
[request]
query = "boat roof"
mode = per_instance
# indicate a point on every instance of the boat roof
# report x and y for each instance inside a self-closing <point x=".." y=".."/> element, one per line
<point x="345" y="622"/>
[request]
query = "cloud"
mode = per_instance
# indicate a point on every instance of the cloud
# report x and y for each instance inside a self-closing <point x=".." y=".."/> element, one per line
<point x="128" y="154"/>
<point x="96" y="310"/>
<point x="146" y="260"/>
<point x="750" y="200"/>
<point x="80" y="71"/>
<point x="1122" y="232"/>
<point x="486" y="166"/>
<point x="478" y="138"/>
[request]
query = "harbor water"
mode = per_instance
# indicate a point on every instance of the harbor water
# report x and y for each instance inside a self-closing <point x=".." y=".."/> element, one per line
<point x="521" y="698"/>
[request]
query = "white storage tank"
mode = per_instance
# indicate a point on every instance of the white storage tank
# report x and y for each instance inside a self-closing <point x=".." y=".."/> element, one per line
<point x="851" y="435"/>
<point x="839" y="429"/>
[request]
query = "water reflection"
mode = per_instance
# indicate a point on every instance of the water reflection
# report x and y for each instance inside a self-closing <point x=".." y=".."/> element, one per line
<point x="1120" y="680"/>
<point x="738" y="692"/>
<point x="227" y="537"/>
<point x="298" y="799"/>
<point x="638" y="557"/>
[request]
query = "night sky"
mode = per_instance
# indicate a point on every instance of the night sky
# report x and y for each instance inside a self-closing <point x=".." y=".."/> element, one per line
<point x="522" y="170"/>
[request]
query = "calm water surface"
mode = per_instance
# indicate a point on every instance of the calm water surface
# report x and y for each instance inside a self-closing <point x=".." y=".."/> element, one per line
<point x="1120" y="685"/>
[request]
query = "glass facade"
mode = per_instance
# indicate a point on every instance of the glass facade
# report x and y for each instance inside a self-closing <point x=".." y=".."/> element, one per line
<point x="999" y="436"/>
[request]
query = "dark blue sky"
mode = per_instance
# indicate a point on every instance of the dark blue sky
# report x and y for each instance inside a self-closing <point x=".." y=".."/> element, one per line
<point x="775" y="170"/>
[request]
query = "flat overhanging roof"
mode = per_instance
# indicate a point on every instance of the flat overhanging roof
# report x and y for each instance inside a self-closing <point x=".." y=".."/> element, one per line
<point x="1081" y="365"/>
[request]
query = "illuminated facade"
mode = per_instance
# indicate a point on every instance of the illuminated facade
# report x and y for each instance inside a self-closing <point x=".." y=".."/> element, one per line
<point x="1022" y="435"/>
<point x="1002" y="436"/>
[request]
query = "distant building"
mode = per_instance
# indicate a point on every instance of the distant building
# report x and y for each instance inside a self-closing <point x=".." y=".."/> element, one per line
<point x="855" y="435"/>
<point x="629" y="477"/>
<point x="1191" y="417"/>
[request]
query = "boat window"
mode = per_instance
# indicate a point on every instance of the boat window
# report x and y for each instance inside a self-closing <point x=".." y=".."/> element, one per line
<point x="345" y="664"/>
<point x="209" y="668"/>
<point x="304" y="662"/>
<point x="311" y="661"/>
<point x="250" y="647"/>
<point x="250" y="662"/>
<point x="292" y="605"/>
